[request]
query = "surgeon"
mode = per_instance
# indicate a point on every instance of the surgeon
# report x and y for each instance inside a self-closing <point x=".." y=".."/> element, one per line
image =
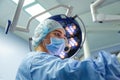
<point x="45" y="62"/>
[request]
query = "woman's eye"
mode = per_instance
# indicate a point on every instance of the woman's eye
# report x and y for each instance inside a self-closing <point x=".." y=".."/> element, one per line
<point x="57" y="34"/>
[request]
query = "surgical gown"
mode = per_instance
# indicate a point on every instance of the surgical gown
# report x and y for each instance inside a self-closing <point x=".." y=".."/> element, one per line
<point x="42" y="66"/>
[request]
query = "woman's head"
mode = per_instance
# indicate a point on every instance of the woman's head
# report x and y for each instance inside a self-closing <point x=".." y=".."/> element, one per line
<point x="43" y="29"/>
<point x="46" y="33"/>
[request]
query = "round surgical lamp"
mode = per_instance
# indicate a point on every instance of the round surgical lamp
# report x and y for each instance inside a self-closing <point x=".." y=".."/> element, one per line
<point x="73" y="32"/>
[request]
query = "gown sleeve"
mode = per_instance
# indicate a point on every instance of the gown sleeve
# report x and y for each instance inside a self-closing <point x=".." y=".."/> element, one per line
<point x="110" y="64"/>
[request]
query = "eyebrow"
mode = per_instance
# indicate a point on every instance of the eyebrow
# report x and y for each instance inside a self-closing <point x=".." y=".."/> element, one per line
<point x="60" y="32"/>
<point x="57" y="31"/>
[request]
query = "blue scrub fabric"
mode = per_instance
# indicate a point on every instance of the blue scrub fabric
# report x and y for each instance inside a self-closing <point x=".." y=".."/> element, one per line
<point x="42" y="66"/>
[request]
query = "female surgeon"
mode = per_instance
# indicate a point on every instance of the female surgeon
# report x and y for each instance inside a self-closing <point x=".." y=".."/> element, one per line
<point x="44" y="64"/>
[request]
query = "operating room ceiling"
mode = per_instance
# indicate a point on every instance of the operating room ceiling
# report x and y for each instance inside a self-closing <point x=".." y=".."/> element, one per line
<point x="99" y="35"/>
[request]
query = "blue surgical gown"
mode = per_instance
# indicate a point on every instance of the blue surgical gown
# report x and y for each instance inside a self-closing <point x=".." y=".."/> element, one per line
<point x="42" y="66"/>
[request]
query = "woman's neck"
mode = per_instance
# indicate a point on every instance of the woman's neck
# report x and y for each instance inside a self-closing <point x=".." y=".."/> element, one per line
<point x="41" y="49"/>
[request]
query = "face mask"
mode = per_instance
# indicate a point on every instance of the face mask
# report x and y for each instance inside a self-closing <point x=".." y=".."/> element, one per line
<point x="56" y="47"/>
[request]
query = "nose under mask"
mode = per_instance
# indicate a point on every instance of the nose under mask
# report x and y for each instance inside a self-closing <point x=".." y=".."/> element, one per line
<point x="56" y="46"/>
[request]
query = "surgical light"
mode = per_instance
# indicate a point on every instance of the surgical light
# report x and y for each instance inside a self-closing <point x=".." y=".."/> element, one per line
<point x="73" y="42"/>
<point x="71" y="29"/>
<point x="62" y="55"/>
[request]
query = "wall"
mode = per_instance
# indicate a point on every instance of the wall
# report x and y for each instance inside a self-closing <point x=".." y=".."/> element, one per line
<point x="12" y="51"/>
<point x="12" y="47"/>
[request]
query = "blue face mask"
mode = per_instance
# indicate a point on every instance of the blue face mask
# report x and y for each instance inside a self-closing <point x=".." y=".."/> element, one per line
<point x="56" y="47"/>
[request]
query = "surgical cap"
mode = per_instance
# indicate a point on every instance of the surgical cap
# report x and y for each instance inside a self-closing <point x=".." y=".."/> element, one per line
<point x="41" y="31"/>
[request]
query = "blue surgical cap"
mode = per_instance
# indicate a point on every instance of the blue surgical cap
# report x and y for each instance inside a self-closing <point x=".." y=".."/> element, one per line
<point x="43" y="29"/>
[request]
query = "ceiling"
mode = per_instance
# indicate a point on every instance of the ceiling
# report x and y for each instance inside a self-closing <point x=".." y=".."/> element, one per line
<point x="99" y="35"/>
